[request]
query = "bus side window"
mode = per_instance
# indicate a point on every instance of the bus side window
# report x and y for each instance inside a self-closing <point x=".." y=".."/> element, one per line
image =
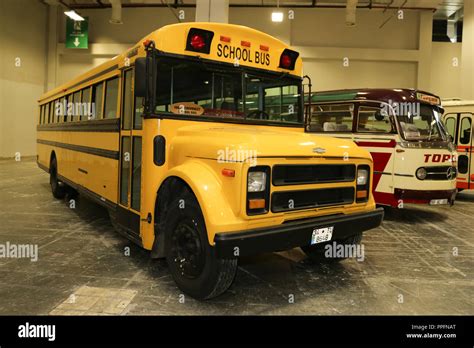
<point x="465" y="133"/>
<point x="451" y="127"/>
<point x="63" y="109"/>
<point x="111" y="96"/>
<point x="373" y="119"/>
<point x="97" y="96"/>
<point x="45" y="113"/>
<point x="67" y="110"/>
<point x="40" y="121"/>
<point x="127" y="100"/>
<point x="76" y="99"/>
<point x="51" y="112"/>
<point x="85" y="105"/>
<point x="332" y="118"/>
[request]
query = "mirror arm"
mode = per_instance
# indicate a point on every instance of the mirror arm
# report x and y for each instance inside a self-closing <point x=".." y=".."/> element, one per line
<point x="151" y="75"/>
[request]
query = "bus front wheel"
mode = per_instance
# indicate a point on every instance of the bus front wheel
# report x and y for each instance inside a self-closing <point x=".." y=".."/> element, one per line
<point x="57" y="187"/>
<point x="191" y="260"/>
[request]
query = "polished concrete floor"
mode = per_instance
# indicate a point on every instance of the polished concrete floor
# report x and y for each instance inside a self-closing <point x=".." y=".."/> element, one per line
<point x="420" y="261"/>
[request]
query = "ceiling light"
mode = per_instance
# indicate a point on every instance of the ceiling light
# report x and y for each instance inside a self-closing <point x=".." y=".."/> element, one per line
<point x="74" y="15"/>
<point x="277" y="16"/>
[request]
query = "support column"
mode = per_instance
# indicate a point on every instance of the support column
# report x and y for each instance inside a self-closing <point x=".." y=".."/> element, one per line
<point x="425" y="50"/>
<point x="467" y="76"/>
<point x="212" y="11"/>
<point x="52" y="54"/>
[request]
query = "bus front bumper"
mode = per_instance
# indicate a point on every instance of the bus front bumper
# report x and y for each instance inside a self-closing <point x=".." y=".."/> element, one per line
<point x="293" y="234"/>
<point x="425" y="197"/>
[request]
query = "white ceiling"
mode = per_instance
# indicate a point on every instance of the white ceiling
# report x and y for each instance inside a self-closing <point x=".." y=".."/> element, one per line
<point x="445" y="8"/>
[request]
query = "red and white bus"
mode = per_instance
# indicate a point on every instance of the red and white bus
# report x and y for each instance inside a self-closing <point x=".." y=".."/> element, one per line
<point x="459" y="120"/>
<point x="414" y="159"/>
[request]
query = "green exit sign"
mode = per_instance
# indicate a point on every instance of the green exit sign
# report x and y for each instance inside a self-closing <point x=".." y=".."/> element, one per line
<point x="77" y="33"/>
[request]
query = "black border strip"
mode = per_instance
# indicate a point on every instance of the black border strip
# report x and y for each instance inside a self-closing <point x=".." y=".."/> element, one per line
<point x="382" y="173"/>
<point x="404" y="175"/>
<point x="112" y="207"/>
<point x="79" y="148"/>
<point x="68" y="89"/>
<point x="88" y="193"/>
<point x="103" y="125"/>
<point x="46" y="169"/>
<point x="215" y="119"/>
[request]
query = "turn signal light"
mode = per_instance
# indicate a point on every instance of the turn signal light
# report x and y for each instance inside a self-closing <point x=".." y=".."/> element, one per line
<point x="228" y="172"/>
<point x="256" y="203"/>
<point x="361" y="194"/>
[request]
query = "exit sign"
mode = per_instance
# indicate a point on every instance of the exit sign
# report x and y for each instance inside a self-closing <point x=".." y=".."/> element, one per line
<point x="77" y="33"/>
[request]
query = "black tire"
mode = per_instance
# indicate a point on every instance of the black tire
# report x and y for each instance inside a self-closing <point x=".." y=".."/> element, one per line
<point x="317" y="252"/>
<point x="57" y="187"/>
<point x="191" y="260"/>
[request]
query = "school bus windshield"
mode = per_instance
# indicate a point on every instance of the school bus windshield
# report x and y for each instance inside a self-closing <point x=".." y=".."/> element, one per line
<point x="199" y="89"/>
<point x="424" y="125"/>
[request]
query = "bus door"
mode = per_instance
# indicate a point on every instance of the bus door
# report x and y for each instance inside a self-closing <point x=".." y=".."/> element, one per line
<point x="128" y="215"/>
<point x="374" y="131"/>
<point x="460" y="126"/>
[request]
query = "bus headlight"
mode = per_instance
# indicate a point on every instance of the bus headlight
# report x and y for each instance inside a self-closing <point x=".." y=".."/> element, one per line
<point x="362" y="176"/>
<point x="256" y="181"/>
<point x="421" y="173"/>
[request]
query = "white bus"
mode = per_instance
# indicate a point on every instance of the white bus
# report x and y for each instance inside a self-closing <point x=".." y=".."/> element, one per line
<point x="459" y="120"/>
<point x="414" y="159"/>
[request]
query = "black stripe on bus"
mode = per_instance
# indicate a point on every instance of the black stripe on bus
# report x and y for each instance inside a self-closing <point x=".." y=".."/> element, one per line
<point x="405" y="175"/>
<point x="68" y="90"/>
<point x="105" y="125"/>
<point x="85" y="149"/>
<point x="88" y="193"/>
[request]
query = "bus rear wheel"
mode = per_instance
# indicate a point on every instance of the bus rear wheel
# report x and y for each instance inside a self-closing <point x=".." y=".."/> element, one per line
<point x="57" y="187"/>
<point x="191" y="260"/>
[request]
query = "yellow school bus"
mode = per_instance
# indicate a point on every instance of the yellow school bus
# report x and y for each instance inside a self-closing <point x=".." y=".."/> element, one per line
<point x="192" y="140"/>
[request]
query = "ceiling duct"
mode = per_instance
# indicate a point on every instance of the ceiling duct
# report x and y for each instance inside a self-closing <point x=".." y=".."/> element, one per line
<point x="351" y="8"/>
<point x="116" y="17"/>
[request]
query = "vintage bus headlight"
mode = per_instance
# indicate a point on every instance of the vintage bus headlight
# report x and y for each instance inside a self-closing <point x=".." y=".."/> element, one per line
<point x="256" y="181"/>
<point x="421" y="173"/>
<point x="362" y="176"/>
<point x="363" y="184"/>
<point x="258" y="190"/>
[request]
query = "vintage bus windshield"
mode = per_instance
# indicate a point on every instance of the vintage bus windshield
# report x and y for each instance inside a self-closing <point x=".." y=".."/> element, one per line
<point x="203" y="89"/>
<point x="424" y="125"/>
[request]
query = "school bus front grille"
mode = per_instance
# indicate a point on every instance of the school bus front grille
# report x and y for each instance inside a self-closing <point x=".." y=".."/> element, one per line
<point x="312" y="174"/>
<point x="305" y="199"/>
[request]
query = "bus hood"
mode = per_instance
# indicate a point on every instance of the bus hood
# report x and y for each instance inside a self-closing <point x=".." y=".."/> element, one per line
<point x="237" y="142"/>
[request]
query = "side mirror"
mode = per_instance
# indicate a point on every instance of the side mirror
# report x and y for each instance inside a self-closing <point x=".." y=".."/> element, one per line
<point x="140" y="77"/>
<point x="145" y="81"/>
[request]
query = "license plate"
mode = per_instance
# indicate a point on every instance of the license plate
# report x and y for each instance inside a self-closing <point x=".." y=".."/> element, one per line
<point x="439" y="201"/>
<point x="321" y="235"/>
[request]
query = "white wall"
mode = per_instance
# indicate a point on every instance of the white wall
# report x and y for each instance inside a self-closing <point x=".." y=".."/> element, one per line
<point x="379" y="57"/>
<point x="21" y="86"/>
<point x="445" y="76"/>
<point x="400" y="54"/>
